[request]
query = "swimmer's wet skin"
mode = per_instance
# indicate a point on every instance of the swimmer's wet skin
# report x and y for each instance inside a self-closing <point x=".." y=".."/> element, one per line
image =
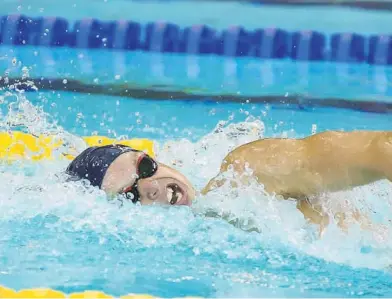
<point x="303" y="169"/>
<point x="119" y="169"/>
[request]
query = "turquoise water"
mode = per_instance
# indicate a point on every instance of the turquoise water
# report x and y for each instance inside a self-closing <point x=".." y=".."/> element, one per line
<point x="69" y="237"/>
<point x="83" y="114"/>
<point x="211" y="75"/>
<point x="64" y="236"/>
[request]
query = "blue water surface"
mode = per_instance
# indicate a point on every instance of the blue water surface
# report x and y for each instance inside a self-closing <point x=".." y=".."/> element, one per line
<point x="70" y="240"/>
<point x="67" y="237"/>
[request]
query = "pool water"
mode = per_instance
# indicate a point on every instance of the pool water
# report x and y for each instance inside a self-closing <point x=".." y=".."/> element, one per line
<point x="202" y="75"/>
<point x="71" y="238"/>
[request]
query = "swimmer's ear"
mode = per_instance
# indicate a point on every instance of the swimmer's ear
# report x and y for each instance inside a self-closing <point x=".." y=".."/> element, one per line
<point x="110" y="194"/>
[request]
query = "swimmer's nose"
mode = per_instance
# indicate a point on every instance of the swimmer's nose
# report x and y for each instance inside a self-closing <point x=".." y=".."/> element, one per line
<point x="152" y="193"/>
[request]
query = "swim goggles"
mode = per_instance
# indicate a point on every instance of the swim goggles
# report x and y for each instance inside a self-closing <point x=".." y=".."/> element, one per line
<point x="146" y="167"/>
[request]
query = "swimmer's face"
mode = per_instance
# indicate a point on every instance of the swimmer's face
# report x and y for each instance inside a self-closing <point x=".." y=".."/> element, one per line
<point x="167" y="186"/>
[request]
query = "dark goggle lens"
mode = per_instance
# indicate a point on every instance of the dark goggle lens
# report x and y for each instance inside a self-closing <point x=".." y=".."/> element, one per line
<point x="147" y="167"/>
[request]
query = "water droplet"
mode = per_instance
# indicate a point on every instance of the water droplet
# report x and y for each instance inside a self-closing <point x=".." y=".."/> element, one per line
<point x="314" y="129"/>
<point x="65" y="81"/>
<point x="117" y="77"/>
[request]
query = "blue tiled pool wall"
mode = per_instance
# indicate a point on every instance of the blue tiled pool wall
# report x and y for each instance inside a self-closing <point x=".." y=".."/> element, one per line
<point x="266" y="43"/>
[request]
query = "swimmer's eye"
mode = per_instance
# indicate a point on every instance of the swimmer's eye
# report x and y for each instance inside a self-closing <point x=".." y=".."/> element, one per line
<point x="146" y="167"/>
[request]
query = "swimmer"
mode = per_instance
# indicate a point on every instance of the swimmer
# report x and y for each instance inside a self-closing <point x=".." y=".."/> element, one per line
<point x="119" y="169"/>
<point x="302" y="169"/>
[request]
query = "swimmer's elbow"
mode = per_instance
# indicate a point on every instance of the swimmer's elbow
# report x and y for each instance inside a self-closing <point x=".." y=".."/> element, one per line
<point x="217" y="181"/>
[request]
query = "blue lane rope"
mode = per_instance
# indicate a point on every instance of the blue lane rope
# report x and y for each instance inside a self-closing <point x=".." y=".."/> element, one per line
<point x="266" y="43"/>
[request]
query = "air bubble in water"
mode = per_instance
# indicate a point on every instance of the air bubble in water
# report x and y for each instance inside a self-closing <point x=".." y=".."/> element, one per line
<point x="65" y="81"/>
<point x="25" y="72"/>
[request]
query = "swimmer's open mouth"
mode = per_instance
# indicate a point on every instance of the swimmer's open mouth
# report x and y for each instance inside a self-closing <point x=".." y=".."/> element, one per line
<point x="174" y="194"/>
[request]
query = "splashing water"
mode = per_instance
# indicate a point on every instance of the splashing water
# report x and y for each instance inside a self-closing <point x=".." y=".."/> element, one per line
<point x="267" y="249"/>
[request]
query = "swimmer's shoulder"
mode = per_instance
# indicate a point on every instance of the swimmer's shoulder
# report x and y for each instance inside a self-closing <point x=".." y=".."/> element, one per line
<point x="347" y="136"/>
<point x="261" y="147"/>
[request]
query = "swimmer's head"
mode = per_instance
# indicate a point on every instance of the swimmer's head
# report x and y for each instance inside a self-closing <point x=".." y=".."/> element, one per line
<point x="159" y="184"/>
